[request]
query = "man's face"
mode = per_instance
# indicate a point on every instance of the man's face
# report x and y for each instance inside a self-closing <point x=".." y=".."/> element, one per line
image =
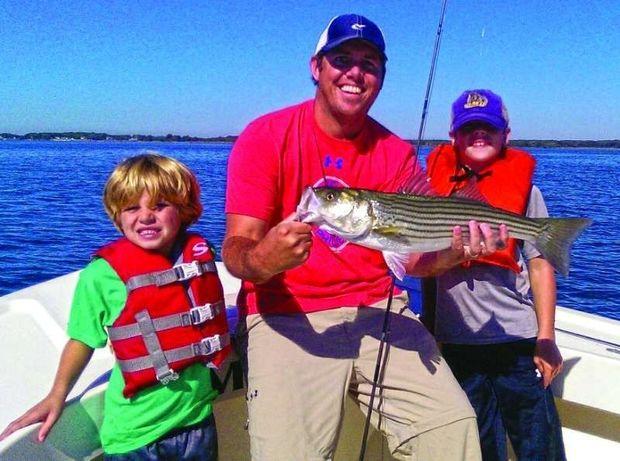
<point x="479" y="143"/>
<point x="349" y="78"/>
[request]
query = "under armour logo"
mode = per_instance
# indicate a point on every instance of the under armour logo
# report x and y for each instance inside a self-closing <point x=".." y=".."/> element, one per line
<point x="358" y="26"/>
<point x="338" y="162"/>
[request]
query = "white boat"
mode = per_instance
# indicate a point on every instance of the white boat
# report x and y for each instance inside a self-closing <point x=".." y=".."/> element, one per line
<point x="33" y="323"/>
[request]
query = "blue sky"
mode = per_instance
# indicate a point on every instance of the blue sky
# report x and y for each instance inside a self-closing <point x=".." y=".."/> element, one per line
<point x="206" y="67"/>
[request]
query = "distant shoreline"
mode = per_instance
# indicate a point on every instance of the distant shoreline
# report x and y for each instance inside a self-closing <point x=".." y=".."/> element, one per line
<point x="88" y="136"/>
<point x="85" y="136"/>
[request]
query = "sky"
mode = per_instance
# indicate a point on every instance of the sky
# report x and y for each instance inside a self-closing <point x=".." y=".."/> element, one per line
<point x="208" y="67"/>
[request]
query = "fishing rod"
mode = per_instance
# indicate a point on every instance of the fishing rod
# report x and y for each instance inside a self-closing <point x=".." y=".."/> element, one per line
<point x="431" y="77"/>
<point x="386" y="319"/>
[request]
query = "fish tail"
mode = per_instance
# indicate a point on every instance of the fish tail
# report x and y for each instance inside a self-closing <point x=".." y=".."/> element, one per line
<point x="556" y="239"/>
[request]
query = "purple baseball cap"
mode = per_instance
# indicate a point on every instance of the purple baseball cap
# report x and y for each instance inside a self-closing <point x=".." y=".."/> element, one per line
<point x="350" y="27"/>
<point x="479" y="105"/>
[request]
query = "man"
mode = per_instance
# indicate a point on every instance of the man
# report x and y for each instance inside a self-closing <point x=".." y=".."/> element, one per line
<point x="495" y="316"/>
<point x="314" y="304"/>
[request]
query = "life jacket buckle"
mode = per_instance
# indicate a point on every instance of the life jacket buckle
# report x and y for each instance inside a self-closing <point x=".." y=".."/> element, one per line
<point x="208" y="346"/>
<point x="167" y="377"/>
<point x="201" y="314"/>
<point x="187" y="271"/>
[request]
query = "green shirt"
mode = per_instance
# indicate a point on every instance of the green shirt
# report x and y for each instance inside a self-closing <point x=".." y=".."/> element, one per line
<point x="129" y="424"/>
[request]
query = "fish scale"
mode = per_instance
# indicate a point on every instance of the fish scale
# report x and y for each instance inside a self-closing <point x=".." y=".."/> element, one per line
<point x="417" y="215"/>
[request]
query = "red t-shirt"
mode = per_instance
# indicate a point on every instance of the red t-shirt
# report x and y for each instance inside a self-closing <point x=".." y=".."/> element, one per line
<point x="274" y="159"/>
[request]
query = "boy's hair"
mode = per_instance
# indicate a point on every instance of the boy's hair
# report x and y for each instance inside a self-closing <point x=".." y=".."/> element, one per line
<point x="161" y="177"/>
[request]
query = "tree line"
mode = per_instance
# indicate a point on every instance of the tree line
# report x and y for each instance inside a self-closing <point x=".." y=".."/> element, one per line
<point x="90" y="136"/>
<point x="79" y="135"/>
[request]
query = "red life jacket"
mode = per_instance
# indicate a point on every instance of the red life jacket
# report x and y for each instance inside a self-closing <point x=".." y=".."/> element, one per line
<point x="505" y="184"/>
<point x="174" y="316"/>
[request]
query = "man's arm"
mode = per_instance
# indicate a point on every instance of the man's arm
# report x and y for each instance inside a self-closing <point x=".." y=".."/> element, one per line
<point x="547" y="357"/>
<point x="255" y="253"/>
<point x="482" y="242"/>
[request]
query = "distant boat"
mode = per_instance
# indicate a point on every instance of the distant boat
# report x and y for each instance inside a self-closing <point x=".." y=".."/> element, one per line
<point x="33" y="322"/>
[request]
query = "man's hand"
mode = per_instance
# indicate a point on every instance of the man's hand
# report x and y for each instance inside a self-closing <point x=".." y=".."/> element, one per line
<point x="252" y="251"/>
<point x="285" y="246"/>
<point x="482" y="240"/>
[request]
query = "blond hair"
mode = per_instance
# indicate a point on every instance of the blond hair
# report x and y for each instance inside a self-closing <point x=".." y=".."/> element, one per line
<point x="161" y="177"/>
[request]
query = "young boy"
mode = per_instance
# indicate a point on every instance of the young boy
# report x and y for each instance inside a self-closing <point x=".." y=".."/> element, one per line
<point x="499" y="341"/>
<point x="155" y="295"/>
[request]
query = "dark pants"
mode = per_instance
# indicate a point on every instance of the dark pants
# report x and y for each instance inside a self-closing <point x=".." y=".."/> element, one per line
<point x="507" y="394"/>
<point x="194" y="443"/>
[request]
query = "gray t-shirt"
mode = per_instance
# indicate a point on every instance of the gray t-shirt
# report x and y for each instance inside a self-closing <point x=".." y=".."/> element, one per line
<point x="485" y="304"/>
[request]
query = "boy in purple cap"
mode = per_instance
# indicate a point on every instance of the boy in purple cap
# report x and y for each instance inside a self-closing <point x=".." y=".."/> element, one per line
<point x="495" y="313"/>
<point x="313" y="304"/>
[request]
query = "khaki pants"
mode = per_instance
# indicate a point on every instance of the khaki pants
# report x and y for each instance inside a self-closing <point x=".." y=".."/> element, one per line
<point x="302" y="366"/>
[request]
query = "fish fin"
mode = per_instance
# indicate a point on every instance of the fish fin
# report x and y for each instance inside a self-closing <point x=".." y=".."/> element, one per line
<point x="556" y="239"/>
<point x="471" y="192"/>
<point x="417" y="184"/>
<point x="396" y="263"/>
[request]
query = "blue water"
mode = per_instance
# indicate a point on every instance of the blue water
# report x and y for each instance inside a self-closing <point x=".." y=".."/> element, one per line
<point x="52" y="219"/>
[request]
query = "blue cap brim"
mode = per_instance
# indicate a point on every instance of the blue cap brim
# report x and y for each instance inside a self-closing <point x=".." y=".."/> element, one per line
<point x="497" y="122"/>
<point x="337" y="43"/>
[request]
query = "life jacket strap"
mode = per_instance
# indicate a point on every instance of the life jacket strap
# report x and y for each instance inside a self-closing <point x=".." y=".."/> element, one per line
<point x="205" y="347"/>
<point x="195" y="316"/>
<point x="156" y="354"/>
<point x="177" y="273"/>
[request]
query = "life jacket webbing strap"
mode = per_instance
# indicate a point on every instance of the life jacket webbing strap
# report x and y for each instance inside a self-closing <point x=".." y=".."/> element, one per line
<point x="205" y="347"/>
<point x="156" y="355"/>
<point x="177" y="273"/>
<point x="195" y="316"/>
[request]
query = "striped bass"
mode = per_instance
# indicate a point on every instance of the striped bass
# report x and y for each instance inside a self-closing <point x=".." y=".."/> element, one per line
<point x="399" y="224"/>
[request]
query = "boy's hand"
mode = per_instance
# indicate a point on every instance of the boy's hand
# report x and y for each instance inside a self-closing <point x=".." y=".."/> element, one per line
<point x="548" y="360"/>
<point x="47" y="411"/>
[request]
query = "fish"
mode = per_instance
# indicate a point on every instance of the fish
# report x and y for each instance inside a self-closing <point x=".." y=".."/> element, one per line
<point x="399" y="224"/>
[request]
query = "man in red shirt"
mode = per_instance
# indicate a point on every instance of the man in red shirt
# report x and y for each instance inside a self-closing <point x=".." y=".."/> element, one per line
<point x="313" y="303"/>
